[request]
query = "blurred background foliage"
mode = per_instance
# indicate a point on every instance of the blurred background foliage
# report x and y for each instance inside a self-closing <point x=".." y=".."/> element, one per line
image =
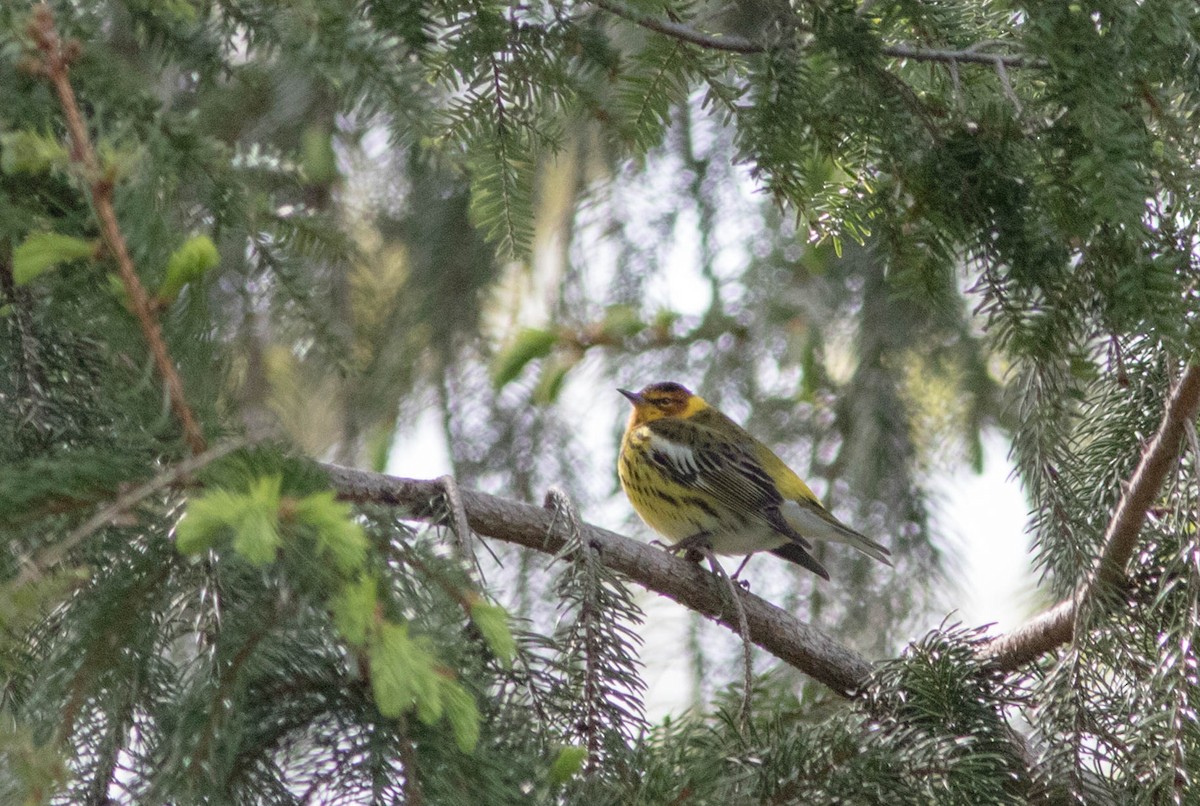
<point x="465" y="223"/>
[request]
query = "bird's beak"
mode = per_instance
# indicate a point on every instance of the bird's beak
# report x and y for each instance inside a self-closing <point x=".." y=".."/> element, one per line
<point x="634" y="397"/>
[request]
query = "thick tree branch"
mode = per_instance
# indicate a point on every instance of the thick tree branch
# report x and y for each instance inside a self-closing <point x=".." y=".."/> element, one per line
<point x="1057" y="625"/>
<point x="56" y="58"/>
<point x="784" y="636"/>
<point x="738" y="44"/>
<point x="779" y="633"/>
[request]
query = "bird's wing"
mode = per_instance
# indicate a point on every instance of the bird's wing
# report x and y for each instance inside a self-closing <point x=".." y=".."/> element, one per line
<point x="785" y="480"/>
<point x="749" y="479"/>
<point x="695" y="456"/>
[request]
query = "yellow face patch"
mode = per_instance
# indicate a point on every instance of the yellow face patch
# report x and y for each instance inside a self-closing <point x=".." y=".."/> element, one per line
<point x="653" y="405"/>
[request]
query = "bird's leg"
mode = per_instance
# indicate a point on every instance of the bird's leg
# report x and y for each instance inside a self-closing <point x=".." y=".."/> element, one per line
<point x="694" y="547"/>
<point x="743" y="582"/>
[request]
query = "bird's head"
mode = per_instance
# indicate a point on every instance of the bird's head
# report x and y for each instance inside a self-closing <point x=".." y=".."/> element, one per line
<point x="659" y="400"/>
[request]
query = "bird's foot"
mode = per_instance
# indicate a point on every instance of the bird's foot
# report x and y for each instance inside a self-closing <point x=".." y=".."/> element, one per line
<point x="693" y="547"/>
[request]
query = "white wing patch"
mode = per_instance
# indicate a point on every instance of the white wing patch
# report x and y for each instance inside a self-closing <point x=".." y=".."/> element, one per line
<point x="681" y="456"/>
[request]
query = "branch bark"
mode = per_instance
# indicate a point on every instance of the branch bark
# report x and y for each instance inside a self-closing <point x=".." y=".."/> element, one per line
<point x="738" y="44"/>
<point x="55" y="65"/>
<point x="783" y="635"/>
<point x="1057" y="625"/>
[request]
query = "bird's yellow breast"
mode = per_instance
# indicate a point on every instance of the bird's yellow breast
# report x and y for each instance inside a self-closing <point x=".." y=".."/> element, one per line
<point x="666" y="506"/>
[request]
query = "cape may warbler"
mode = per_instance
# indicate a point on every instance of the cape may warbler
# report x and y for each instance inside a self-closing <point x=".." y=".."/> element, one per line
<point x="696" y="477"/>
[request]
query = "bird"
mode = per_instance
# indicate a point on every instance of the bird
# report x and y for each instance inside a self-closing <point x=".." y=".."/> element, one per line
<point x="702" y="481"/>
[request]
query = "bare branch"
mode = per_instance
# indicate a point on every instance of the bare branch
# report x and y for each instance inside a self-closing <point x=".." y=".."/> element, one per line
<point x="684" y="33"/>
<point x="55" y="66"/>
<point x="779" y="633"/>
<point x="784" y="636"/>
<point x="966" y="55"/>
<point x="738" y="44"/>
<point x="1057" y="625"/>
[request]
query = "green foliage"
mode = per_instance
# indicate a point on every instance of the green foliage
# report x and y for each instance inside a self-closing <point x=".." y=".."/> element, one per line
<point x="600" y="702"/>
<point x="653" y="85"/>
<point x="26" y="152"/>
<point x="567" y="764"/>
<point x="337" y="534"/>
<point x="492" y="621"/>
<point x="528" y="345"/>
<point x="354" y="609"/>
<point x="188" y="264"/>
<point x="251" y="518"/>
<point x="42" y="251"/>
<point x="929" y="728"/>
<point x="33" y="772"/>
<point x="404" y="674"/>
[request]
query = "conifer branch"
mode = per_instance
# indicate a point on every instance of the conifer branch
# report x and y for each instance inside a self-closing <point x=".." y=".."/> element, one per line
<point x="738" y="44"/>
<point x="55" y="553"/>
<point x="1057" y="625"/>
<point x="783" y="635"/>
<point x="54" y="66"/>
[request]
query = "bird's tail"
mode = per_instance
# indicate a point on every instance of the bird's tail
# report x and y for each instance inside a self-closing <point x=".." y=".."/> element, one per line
<point x="794" y="552"/>
<point x="818" y="524"/>
<point x="864" y="544"/>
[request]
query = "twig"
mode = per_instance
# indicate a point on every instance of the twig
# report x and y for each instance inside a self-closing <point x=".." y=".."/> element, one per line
<point x="744" y="630"/>
<point x="558" y="502"/>
<point x="779" y="633"/>
<point x="738" y="44"/>
<point x="1009" y="92"/>
<point x="684" y="33"/>
<point x="967" y="55"/>
<point x="1057" y="625"/>
<point x="55" y="67"/>
<point x="55" y="553"/>
<point x="411" y="787"/>
<point x="456" y="514"/>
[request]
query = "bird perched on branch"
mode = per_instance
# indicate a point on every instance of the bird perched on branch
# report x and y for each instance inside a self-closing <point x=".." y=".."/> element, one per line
<point x="700" y="480"/>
